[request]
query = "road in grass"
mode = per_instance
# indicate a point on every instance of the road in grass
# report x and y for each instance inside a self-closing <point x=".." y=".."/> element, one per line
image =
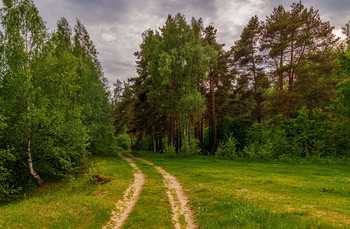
<point x="78" y="203"/>
<point x="125" y="205"/>
<point x="227" y="194"/>
<point x="182" y="214"/>
<point x="153" y="209"/>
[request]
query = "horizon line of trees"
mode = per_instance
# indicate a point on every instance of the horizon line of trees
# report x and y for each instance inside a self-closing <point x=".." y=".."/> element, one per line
<point x="285" y="77"/>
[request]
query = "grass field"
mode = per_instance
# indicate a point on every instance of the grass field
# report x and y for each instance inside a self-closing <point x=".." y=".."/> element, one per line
<point x="223" y="194"/>
<point x="262" y="194"/>
<point x="71" y="204"/>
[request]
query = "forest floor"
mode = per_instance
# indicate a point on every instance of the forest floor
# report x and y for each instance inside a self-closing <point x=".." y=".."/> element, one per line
<point x="144" y="190"/>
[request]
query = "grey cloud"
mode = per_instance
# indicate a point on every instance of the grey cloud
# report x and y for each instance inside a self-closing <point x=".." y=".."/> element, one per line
<point x="115" y="26"/>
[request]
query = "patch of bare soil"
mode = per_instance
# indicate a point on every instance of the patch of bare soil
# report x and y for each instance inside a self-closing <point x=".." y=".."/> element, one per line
<point x="98" y="179"/>
<point x="130" y="197"/>
<point x="178" y="199"/>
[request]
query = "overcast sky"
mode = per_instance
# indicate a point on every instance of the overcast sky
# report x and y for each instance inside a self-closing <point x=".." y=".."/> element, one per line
<point x="115" y="26"/>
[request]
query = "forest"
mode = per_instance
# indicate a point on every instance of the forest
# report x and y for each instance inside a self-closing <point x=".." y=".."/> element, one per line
<point x="282" y="89"/>
<point x="280" y="93"/>
<point x="54" y="106"/>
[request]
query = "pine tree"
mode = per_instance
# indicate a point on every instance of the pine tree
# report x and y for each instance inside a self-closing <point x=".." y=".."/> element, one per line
<point x="289" y="37"/>
<point x="249" y="59"/>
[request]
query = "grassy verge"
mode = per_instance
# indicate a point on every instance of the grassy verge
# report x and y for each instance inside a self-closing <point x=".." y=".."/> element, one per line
<point x="262" y="194"/>
<point x="153" y="209"/>
<point x="79" y="203"/>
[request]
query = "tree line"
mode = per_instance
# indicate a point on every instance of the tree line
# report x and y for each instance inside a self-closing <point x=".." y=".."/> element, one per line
<point x="282" y="89"/>
<point x="54" y="106"/>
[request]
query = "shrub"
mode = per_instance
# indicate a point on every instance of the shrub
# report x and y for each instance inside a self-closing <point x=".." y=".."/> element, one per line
<point x="232" y="127"/>
<point x="226" y="127"/>
<point x="7" y="189"/>
<point x="228" y="148"/>
<point x="191" y="148"/>
<point x="107" y="146"/>
<point x="123" y="141"/>
<point x="257" y="145"/>
<point x="310" y="133"/>
<point x="170" y="150"/>
<point x="258" y="151"/>
<point x="146" y="144"/>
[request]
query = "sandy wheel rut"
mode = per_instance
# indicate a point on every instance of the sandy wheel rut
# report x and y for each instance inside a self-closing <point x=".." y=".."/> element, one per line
<point x="130" y="197"/>
<point x="178" y="200"/>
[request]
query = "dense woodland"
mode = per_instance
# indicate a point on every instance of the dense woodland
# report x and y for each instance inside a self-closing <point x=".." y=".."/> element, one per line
<point x="54" y="107"/>
<point x="282" y="90"/>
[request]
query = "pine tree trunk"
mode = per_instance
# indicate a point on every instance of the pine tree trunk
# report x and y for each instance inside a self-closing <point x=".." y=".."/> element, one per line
<point x="189" y="129"/>
<point x="176" y="136"/>
<point x="280" y="82"/>
<point x="179" y="134"/>
<point x="131" y="140"/>
<point x="160" y="144"/>
<point x="157" y="144"/>
<point x="256" y="87"/>
<point x="290" y="81"/>
<point x="201" y="132"/>
<point x="212" y="121"/>
<point x="153" y="140"/>
<point x="289" y="102"/>
<point x="170" y="127"/>
<point x="173" y="132"/>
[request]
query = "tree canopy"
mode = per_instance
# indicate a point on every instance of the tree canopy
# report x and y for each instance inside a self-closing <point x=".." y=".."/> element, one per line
<point x="54" y="104"/>
<point x="191" y="95"/>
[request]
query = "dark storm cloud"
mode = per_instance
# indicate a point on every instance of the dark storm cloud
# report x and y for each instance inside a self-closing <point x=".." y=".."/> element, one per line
<point x="115" y="26"/>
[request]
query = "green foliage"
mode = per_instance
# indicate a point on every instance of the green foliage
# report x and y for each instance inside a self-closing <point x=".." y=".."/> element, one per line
<point x="265" y="143"/>
<point x="188" y="86"/>
<point x="254" y="143"/>
<point x="123" y="141"/>
<point x="7" y="189"/>
<point x="92" y="95"/>
<point x="173" y="64"/>
<point x="146" y="144"/>
<point x="231" y="127"/>
<point x="343" y="94"/>
<point x="190" y="148"/>
<point x="310" y="133"/>
<point x="344" y="97"/>
<point x="192" y="104"/>
<point x="107" y="146"/>
<point x="54" y="108"/>
<point x="6" y="178"/>
<point x="170" y="150"/>
<point x="227" y="148"/>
